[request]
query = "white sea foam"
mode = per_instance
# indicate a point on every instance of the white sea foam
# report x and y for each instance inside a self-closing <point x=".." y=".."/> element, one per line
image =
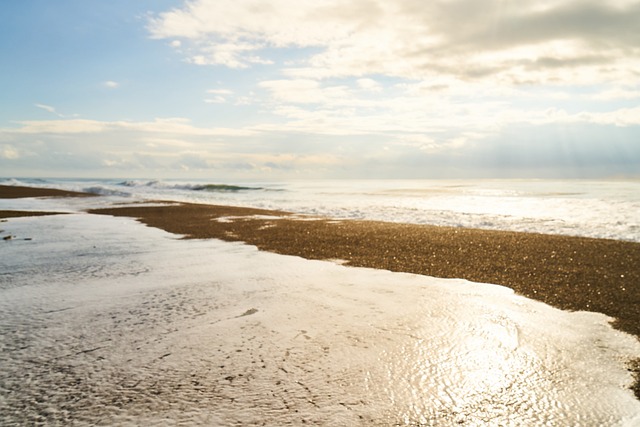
<point x="105" y="321"/>
<point x="603" y="209"/>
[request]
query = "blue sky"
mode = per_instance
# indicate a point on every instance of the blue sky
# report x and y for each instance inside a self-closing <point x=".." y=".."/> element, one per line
<point x="254" y="90"/>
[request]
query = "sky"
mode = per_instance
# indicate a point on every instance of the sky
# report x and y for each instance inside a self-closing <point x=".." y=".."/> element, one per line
<point x="256" y="90"/>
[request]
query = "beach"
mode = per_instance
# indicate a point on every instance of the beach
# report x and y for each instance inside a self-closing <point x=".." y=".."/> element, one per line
<point x="577" y="274"/>
<point x="567" y="272"/>
<point x="19" y="192"/>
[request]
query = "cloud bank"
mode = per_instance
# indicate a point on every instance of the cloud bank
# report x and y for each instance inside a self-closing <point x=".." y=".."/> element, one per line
<point x="561" y="41"/>
<point x="363" y="88"/>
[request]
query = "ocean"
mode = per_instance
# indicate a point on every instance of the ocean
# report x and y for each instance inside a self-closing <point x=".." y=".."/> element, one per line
<point x="104" y="321"/>
<point x="602" y="209"/>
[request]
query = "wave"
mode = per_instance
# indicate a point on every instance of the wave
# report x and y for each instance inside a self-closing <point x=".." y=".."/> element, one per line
<point x="104" y="191"/>
<point x="22" y="181"/>
<point x="134" y="183"/>
<point x="222" y="188"/>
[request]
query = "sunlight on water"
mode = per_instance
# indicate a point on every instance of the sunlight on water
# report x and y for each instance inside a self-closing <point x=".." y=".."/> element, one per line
<point x="475" y="380"/>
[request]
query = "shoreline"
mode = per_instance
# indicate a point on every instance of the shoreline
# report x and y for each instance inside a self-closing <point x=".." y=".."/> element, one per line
<point x="19" y="192"/>
<point x="570" y="273"/>
<point x="18" y="214"/>
<point x="159" y="329"/>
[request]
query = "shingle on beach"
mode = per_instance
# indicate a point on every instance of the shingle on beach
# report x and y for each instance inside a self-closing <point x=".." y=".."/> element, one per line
<point x="572" y="273"/>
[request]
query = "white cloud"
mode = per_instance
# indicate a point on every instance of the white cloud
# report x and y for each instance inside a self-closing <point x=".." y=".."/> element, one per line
<point x="555" y="41"/>
<point x="47" y="108"/>
<point x="9" y="152"/>
<point x="161" y="146"/>
<point x="53" y="110"/>
<point x="617" y="93"/>
<point x="60" y="126"/>
<point x="308" y="143"/>
<point x="232" y="55"/>
<point x="175" y="126"/>
<point x="244" y="100"/>
<point x="280" y="22"/>
<point x="302" y="91"/>
<point x="215" y="100"/>
<point x="441" y="74"/>
<point x="155" y="142"/>
<point x="111" y="84"/>
<point x="369" y="84"/>
<point x="449" y="119"/>
<point x="220" y="96"/>
<point x="373" y="81"/>
<point x="220" y="91"/>
<point x="621" y="117"/>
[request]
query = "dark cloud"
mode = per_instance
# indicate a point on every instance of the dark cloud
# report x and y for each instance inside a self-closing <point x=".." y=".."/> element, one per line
<point x="600" y="34"/>
<point x="553" y="62"/>
<point x="472" y="25"/>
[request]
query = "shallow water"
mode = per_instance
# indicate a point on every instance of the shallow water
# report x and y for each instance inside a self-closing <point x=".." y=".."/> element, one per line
<point x="104" y="321"/>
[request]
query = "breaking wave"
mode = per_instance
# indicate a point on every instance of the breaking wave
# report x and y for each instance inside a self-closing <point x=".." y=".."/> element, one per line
<point x="224" y="188"/>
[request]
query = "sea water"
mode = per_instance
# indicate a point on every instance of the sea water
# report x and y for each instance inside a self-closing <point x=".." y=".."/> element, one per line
<point x="105" y="321"/>
<point x="603" y="209"/>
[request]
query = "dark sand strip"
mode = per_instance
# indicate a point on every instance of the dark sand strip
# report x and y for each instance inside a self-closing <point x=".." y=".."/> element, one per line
<point x="16" y="214"/>
<point x="16" y="192"/>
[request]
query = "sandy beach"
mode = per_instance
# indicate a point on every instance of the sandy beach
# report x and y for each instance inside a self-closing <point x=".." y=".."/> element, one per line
<point x="567" y="272"/>
<point x="571" y="273"/>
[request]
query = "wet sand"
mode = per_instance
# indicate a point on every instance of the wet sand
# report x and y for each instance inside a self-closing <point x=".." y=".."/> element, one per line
<point x="16" y="214"/>
<point x="571" y="273"/>
<point x="16" y="192"/>
<point x="108" y="322"/>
